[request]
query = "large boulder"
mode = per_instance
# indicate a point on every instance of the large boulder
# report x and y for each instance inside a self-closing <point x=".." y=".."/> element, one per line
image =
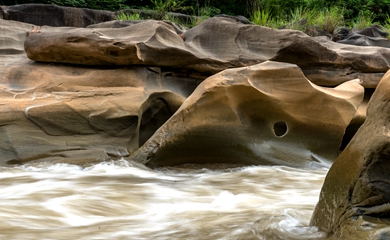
<point x="263" y="114"/>
<point x="67" y="113"/>
<point x="55" y="112"/>
<point x="56" y="16"/>
<point x="214" y="45"/>
<point x="354" y="200"/>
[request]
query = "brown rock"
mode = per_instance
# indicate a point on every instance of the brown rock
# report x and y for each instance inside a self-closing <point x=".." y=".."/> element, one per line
<point x="56" y="16"/>
<point x="212" y="46"/>
<point x="263" y="114"/>
<point x="12" y="36"/>
<point x="354" y="200"/>
<point x="68" y="113"/>
<point x="54" y="112"/>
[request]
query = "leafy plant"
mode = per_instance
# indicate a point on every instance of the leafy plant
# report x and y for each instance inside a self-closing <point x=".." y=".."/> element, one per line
<point x="262" y="17"/>
<point x="386" y="24"/>
<point x="329" y="19"/>
<point x="128" y="16"/>
<point x="163" y="7"/>
<point x="301" y="19"/>
<point x="202" y="14"/>
<point x="364" y="20"/>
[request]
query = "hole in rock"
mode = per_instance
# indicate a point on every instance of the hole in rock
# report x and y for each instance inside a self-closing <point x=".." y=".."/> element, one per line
<point x="154" y="116"/>
<point x="280" y="128"/>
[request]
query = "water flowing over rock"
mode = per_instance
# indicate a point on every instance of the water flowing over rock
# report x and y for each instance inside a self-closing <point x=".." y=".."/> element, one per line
<point x="263" y="114"/>
<point x="354" y="201"/>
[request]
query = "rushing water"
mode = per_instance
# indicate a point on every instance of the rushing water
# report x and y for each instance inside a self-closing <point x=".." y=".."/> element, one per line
<point x="123" y="200"/>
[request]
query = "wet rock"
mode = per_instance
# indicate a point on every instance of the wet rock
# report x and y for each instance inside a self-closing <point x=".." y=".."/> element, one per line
<point x="354" y="200"/>
<point x="263" y="114"/>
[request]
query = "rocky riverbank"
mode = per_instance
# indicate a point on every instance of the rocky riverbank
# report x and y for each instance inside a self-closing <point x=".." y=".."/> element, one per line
<point x="221" y="92"/>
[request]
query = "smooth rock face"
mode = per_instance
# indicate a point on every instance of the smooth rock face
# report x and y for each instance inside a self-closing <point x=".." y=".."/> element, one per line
<point x="12" y="36"/>
<point x="56" y="16"/>
<point x="66" y="113"/>
<point x="54" y="112"/>
<point x="354" y="200"/>
<point x="212" y="46"/>
<point x="263" y="114"/>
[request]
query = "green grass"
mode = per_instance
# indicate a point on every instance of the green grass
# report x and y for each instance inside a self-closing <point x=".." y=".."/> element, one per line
<point x="363" y="21"/>
<point x="329" y="19"/>
<point x="128" y="16"/>
<point x="263" y="17"/>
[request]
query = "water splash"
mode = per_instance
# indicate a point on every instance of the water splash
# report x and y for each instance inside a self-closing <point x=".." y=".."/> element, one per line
<point x="125" y="200"/>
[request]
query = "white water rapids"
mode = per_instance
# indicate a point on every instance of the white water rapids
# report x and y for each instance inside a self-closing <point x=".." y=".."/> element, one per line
<point x="123" y="200"/>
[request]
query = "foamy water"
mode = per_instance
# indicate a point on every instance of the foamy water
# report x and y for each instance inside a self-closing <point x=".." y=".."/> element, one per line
<point x="125" y="200"/>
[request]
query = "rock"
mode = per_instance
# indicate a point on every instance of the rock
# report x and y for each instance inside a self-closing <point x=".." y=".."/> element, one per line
<point x="368" y="64"/>
<point x="371" y="36"/>
<point x="361" y="40"/>
<point x="55" y="112"/>
<point x="56" y="16"/>
<point x="210" y="47"/>
<point x="263" y="114"/>
<point x="12" y="36"/>
<point x="127" y="23"/>
<point x="67" y="113"/>
<point x="354" y="200"/>
<point x="2" y="12"/>
<point x="374" y="31"/>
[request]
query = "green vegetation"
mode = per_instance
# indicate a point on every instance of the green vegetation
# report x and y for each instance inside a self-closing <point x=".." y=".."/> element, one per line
<point x="309" y="16"/>
<point x="128" y="16"/>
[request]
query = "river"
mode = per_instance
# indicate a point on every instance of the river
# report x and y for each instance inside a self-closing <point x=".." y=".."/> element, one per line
<point x="124" y="200"/>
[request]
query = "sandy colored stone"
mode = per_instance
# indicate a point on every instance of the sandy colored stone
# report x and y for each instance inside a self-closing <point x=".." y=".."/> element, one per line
<point x="263" y="114"/>
<point x="12" y="36"/>
<point x="66" y="113"/>
<point x="354" y="200"/>
<point x="214" y="45"/>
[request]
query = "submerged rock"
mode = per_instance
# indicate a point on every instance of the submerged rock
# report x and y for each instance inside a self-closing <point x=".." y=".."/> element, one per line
<point x="354" y="200"/>
<point x="263" y="114"/>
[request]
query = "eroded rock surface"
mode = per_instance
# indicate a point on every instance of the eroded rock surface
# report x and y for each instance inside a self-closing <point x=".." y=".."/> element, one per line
<point x="263" y="114"/>
<point x="212" y="46"/>
<point x="354" y="200"/>
<point x="54" y="112"/>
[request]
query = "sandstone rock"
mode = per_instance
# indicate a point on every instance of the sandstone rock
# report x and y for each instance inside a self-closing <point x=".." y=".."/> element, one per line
<point x="361" y="40"/>
<point x="374" y="31"/>
<point x="67" y="113"/>
<point x="212" y="46"/>
<point x="366" y="63"/>
<point x="354" y="200"/>
<point x="54" y="112"/>
<point x="127" y="23"/>
<point x="263" y="114"/>
<point x="56" y="16"/>
<point x="12" y="36"/>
